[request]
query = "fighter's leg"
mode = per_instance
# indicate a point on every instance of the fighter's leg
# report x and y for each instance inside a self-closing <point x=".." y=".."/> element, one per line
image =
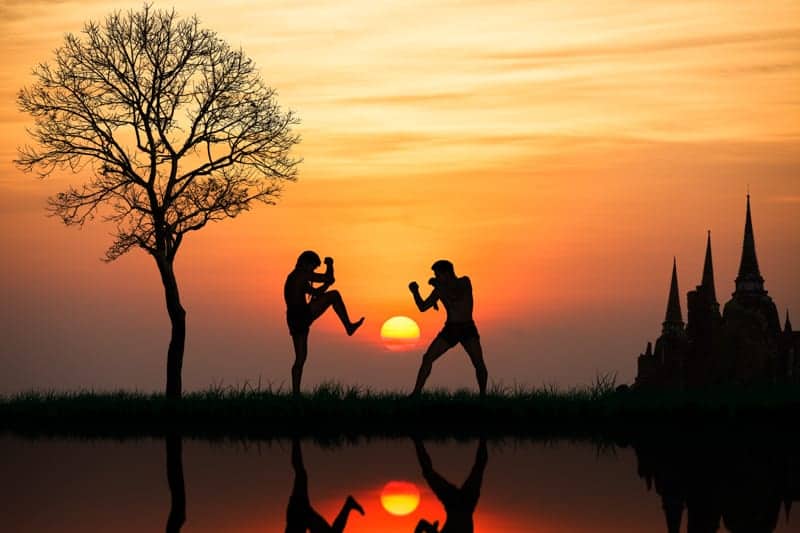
<point x="300" y="353"/>
<point x="341" y="519"/>
<point x="297" y="463"/>
<point x="300" y="515"/>
<point x="471" y="489"/>
<point x="321" y="303"/>
<point x="438" y="347"/>
<point x="475" y="352"/>
<point x="446" y="492"/>
<point x="299" y="506"/>
<point x="315" y="523"/>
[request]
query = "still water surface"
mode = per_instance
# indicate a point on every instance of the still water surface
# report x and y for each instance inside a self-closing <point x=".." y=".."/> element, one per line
<point x="495" y="486"/>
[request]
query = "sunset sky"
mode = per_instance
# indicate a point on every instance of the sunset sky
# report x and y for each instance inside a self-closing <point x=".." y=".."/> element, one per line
<point x="559" y="153"/>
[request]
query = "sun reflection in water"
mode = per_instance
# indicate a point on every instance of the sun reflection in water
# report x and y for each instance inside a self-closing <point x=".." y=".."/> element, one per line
<point x="400" y="498"/>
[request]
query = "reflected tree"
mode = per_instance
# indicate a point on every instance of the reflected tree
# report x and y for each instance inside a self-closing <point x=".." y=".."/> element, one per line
<point x="171" y="129"/>
<point x="177" y="491"/>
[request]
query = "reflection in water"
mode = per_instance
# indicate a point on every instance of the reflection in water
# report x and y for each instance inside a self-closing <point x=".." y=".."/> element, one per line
<point x="177" y="493"/>
<point x="700" y="484"/>
<point x="300" y="515"/>
<point x="400" y="498"/>
<point x="459" y="503"/>
<point x="739" y="484"/>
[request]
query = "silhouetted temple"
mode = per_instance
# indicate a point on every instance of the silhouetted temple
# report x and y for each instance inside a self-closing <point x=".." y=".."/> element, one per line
<point x="706" y="481"/>
<point x="744" y="344"/>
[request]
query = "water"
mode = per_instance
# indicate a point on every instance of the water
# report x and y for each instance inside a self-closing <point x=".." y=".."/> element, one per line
<point x="514" y="485"/>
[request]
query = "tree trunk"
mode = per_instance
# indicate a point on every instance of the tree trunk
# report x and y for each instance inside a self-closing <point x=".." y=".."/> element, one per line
<point x="177" y="492"/>
<point x="177" y="317"/>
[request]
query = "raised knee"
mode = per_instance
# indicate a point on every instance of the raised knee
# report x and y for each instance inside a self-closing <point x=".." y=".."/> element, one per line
<point x="335" y="294"/>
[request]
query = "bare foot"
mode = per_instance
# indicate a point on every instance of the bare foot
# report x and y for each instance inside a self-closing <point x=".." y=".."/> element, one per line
<point x="354" y="326"/>
<point x="353" y="504"/>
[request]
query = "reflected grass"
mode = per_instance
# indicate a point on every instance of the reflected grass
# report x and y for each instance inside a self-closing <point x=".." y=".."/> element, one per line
<point x="336" y="409"/>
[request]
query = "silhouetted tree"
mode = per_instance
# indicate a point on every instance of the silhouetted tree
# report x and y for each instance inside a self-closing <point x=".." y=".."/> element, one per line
<point x="177" y="491"/>
<point x="175" y="128"/>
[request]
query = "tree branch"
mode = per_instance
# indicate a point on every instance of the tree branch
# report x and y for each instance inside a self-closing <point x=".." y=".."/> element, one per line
<point x="174" y="127"/>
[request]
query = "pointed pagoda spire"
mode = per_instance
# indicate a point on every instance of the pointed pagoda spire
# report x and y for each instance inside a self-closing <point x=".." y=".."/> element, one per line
<point x="707" y="284"/>
<point x="787" y="327"/>
<point x="749" y="278"/>
<point x="673" y="512"/>
<point x="673" y="319"/>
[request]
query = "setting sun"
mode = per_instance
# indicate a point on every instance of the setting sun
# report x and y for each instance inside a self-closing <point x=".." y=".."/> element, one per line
<point x="400" y="498"/>
<point x="400" y="333"/>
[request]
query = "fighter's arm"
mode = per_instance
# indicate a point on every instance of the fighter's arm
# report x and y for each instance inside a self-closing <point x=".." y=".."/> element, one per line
<point x="329" y="269"/>
<point x="317" y="277"/>
<point x="423" y="304"/>
<point x="313" y="277"/>
<point x="326" y="278"/>
<point x="319" y="291"/>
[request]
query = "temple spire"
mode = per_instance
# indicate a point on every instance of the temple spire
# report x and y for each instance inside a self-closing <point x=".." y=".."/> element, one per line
<point x="673" y="512"/>
<point x="749" y="278"/>
<point x="707" y="284"/>
<point x="673" y="319"/>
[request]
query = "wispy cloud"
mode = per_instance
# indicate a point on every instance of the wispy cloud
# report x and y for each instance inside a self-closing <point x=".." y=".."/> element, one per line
<point x="785" y="199"/>
<point x="639" y="47"/>
<point x="408" y="99"/>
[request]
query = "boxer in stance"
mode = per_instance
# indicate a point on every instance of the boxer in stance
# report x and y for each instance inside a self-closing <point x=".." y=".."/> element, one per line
<point x="459" y="502"/>
<point x="305" y="303"/>
<point x="456" y="295"/>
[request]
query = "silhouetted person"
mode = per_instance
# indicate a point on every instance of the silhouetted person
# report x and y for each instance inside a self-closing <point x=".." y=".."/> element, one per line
<point x="177" y="493"/>
<point x="300" y="516"/>
<point x="305" y="303"/>
<point x="459" y="503"/>
<point x="456" y="295"/>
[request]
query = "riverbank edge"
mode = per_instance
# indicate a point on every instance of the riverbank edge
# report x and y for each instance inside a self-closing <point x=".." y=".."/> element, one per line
<point x="333" y="410"/>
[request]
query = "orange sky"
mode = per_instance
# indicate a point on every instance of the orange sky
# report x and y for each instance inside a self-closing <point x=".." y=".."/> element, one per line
<point x="558" y="153"/>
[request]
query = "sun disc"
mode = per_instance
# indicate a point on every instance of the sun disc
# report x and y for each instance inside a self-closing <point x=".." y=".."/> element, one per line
<point x="400" y="498"/>
<point x="400" y="333"/>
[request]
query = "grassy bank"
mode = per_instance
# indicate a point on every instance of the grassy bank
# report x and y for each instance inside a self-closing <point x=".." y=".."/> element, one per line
<point x="335" y="410"/>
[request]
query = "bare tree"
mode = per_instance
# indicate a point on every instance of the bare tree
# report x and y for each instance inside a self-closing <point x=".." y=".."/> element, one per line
<point x="173" y="129"/>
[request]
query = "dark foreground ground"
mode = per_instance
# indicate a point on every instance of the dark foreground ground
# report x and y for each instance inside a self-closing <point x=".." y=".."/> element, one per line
<point x="333" y="411"/>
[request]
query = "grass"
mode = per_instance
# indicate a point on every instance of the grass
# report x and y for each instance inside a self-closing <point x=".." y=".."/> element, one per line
<point x="333" y="409"/>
